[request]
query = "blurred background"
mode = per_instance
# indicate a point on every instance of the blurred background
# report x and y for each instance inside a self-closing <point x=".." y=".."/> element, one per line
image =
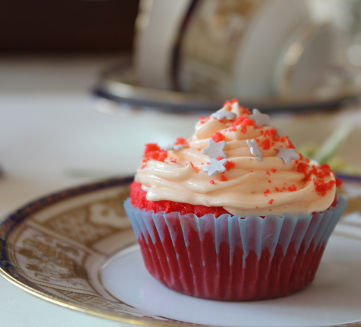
<point x="149" y="68"/>
<point x="84" y="84"/>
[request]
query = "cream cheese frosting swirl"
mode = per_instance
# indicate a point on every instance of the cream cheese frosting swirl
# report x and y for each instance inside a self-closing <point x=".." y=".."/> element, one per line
<point x="278" y="181"/>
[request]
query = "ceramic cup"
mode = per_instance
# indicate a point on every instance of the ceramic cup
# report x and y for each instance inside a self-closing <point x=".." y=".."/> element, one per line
<point x="243" y="48"/>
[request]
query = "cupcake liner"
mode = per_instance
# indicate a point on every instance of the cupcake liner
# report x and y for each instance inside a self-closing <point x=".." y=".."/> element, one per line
<point x="232" y="257"/>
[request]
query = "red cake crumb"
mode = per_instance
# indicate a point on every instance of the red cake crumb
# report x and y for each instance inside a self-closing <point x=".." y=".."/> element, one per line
<point x="139" y="200"/>
<point x="212" y="182"/>
<point x="270" y="201"/>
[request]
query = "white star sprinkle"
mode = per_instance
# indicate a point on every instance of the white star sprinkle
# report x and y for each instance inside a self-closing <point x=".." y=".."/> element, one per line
<point x="235" y="106"/>
<point x="287" y="155"/>
<point x="254" y="148"/>
<point x="224" y="114"/>
<point x="174" y="147"/>
<point x="215" y="149"/>
<point x="215" y="166"/>
<point x="259" y="118"/>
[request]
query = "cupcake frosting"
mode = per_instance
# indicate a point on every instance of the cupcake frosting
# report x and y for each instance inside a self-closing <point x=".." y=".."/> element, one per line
<point x="237" y="161"/>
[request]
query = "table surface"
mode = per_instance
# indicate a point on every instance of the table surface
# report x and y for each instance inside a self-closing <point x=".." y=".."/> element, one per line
<point x="54" y="134"/>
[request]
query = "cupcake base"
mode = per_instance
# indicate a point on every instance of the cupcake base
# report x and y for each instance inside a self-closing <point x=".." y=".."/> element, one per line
<point x="258" y="279"/>
<point x="233" y="258"/>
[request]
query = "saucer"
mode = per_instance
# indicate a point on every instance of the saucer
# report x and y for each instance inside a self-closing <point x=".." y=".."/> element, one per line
<point x="76" y="248"/>
<point x="120" y="85"/>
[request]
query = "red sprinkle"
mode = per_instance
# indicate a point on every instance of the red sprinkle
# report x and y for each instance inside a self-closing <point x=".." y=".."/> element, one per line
<point x="196" y="169"/>
<point x="302" y="167"/>
<point x="181" y="140"/>
<point x="154" y="152"/>
<point x="232" y="129"/>
<point x="212" y="182"/>
<point x="266" y="192"/>
<point x="266" y="144"/>
<point x="218" y="137"/>
<point x="338" y="182"/>
<point x="319" y="172"/>
<point x="270" y="201"/>
<point x="203" y="119"/>
<point x="245" y="111"/>
<point x="322" y="187"/>
<point x="229" y="165"/>
<point x="292" y="188"/>
<point x="247" y="122"/>
<point x="224" y="178"/>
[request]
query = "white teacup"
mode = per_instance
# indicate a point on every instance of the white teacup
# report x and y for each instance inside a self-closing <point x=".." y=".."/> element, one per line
<point x="243" y="48"/>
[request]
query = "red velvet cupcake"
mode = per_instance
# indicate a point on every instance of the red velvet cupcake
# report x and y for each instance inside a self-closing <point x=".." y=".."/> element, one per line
<point x="234" y="212"/>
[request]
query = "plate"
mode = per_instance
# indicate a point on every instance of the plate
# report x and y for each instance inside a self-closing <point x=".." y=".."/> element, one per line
<point x="76" y="248"/>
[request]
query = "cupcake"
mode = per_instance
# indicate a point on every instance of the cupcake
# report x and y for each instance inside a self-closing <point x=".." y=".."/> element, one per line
<point x="234" y="212"/>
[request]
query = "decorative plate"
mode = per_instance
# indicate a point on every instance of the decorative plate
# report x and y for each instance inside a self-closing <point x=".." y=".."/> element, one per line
<point x="76" y="248"/>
